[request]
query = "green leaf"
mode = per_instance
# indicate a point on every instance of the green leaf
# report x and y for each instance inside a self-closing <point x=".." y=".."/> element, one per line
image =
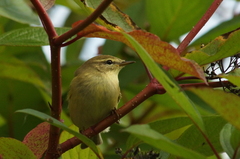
<point x="57" y="123"/>
<point x="18" y="11"/>
<point x="73" y="52"/>
<point x="12" y="148"/>
<point x="153" y="138"/>
<point x="132" y="141"/>
<point x="17" y="95"/>
<point x="171" y="19"/>
<point x="112" y="17"/>
<point x="12" y="68"/>
<point x="135" y="10"/>
<point x="225" y="137"/>
<point x="203" y="107"/>
<point x="226" y="104"/>
<point x="220" y="29"/>
<point x="168" y="125"/>
<point x="230" y="139"/>
<point x="233" y="76"/>
<point x="169" y="84"/>
<point x="221" y="47"/>
<point x="235" y="141"/>
<point x="192" y="138"/>
<point x="30" y="36"/>
<point x="76" y="152"/>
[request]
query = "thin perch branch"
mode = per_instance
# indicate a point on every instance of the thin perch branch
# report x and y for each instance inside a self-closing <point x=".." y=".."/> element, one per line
<point x="151" y="89"/>
<point x="91" y="18"/>
<point x="198" y="26"/>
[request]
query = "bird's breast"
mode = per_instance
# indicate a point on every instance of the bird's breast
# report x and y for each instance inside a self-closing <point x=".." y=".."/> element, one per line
<point x="93" y="99"/>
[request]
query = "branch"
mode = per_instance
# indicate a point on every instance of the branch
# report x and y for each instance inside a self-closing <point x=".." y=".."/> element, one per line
<point x="211" y="145"/>
<point x="186" y="78"/>
<point x="91" y="18"/>
<point x="198" y="26"/>
<point x="150" y="76"/>
<point x="151" y="89"/>
<point x="56" y="107"/>
<point x="210" y="84"/>
<point x="46" y="21"/>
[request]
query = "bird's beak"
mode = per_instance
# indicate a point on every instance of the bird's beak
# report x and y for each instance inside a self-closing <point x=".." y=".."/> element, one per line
<point x="126" y="63"/>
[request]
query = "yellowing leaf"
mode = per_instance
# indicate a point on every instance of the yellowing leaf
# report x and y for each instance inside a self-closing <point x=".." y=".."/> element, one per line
<point x="76" y="152"/>
<point x="226" y="104"/>
<point x="233" y="76"/>
<point x="12" y="148"/>
<point x="221" y="47"/>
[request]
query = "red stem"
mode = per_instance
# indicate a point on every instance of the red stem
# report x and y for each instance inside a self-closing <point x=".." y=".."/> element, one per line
<point x="46" y="21"/>
<point x="91" y="18"/>
<point x="210" y="144"/>
<point x="198" y="26"/>
<point x="56" y="108"/>
<point x="150" y="76"/>
<point x="55" y="45"/>
<point x="210" y="84"/>
<point x="186" y="78"/>
<point x="236" y="152"/>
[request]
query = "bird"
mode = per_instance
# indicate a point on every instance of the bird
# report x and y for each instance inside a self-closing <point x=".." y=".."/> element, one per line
<point x="94" y="92"/>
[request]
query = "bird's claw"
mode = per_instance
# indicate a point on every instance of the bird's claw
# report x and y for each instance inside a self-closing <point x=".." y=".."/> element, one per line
<point x="115" y="112"/>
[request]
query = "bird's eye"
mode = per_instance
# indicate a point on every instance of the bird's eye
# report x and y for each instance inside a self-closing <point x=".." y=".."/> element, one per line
<point x="109" y="62"/>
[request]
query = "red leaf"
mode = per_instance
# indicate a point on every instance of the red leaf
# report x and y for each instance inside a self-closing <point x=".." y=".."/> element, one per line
<point x="37" y="139"/>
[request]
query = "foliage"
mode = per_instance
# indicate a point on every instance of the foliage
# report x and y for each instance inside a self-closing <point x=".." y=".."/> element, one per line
<point x="186" y="110"/>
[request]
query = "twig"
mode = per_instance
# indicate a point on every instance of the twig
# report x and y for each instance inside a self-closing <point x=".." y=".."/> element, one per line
<point x="210" y="144"/>
<point x="210" y="84"/>
<point x="198" y="26"/>
<point x="91" y="18"/>
<point x="186" y="78"/>
<point x="150" y="76"/>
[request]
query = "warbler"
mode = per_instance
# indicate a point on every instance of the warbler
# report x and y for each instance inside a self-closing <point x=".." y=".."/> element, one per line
<point x="94" y="92"/>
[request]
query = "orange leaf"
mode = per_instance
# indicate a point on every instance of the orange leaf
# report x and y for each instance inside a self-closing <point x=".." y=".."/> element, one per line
<point x="162" y="52"/>
<point x="37" y="139"/>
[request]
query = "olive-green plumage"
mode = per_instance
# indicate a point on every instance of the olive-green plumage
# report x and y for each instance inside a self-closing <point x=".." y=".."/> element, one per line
<point x="94" y="92"/>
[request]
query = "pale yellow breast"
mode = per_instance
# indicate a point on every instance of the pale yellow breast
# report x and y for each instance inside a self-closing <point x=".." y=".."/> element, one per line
<point x="94" y="99"/>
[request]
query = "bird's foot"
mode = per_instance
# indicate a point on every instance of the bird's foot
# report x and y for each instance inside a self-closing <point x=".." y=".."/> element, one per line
<point x="115" y="112"/>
